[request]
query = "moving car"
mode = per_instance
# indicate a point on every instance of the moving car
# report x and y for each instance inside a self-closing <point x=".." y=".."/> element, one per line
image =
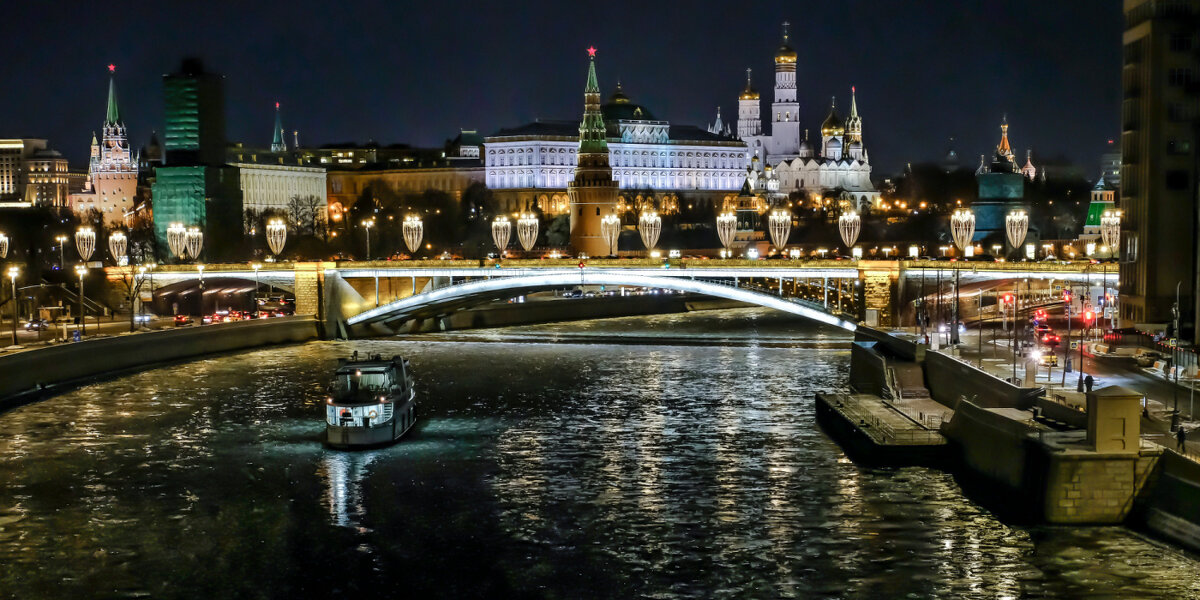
<point x="181" y="320"/>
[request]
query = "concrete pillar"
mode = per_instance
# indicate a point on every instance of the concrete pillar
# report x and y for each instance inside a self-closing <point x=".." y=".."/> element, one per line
<point x="1114" y="419"/>
<point x="878" y="278"/>
<point x="825" y="290"/>
<point x="307" y="288"/>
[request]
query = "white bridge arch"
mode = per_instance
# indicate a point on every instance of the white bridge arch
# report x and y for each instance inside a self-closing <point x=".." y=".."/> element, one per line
<point x="450" y="298"/>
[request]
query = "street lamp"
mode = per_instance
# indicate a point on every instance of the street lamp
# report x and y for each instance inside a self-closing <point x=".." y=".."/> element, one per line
<point x="276" y="237"/>
<point x="501" y="231"/>
<point x="85" y="242"/>
<point x="726" y="226"/>
<point x="1016" y="226"/>
<point x="610" y="230"/>
<point x="62" y="242"/>
<point x="194" y="241"/>
<point x="367" y="225"/>
<point x="117" y="244"/>
<point x="780" y="224"/>
<point x="649" y="226"/>
<point x="849" y="225"/>
<point x="1110" y="228"/>
<point x="81" y="270"/>
<point x="527" y="230"/>
<point x="256" y="267"/>
<point x="962" y="227"/>
<point x="177" y="239"/>
<point x="413" y="230"/>
<point x="12" y="274"/>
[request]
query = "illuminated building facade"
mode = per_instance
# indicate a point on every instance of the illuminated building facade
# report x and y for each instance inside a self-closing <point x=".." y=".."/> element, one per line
<point x="840" y="166"/>
<point x="111" y="186"/>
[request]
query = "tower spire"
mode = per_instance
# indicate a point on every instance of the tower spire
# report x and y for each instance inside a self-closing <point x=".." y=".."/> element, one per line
<point x="277" y="144"/>
<point x="114" y="116"/>
<point x="592" y="136"/>
<point x="1003" y="149"/>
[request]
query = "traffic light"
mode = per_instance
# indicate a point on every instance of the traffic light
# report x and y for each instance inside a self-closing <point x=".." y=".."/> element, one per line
<point x="1066" y="295"/>
<point x="1007" y="298"/>
<point x="1088" y="315"/>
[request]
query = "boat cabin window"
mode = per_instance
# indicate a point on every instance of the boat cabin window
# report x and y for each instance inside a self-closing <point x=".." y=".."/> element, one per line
<point x="345" y="384"/>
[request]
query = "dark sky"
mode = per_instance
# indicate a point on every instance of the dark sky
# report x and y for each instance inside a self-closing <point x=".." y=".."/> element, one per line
<point x="417" y="72"/>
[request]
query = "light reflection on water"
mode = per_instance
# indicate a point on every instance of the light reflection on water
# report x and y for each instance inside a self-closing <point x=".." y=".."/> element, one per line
<point x="578" y="469"/>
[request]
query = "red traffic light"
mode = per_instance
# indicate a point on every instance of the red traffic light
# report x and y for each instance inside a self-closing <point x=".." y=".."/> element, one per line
<point x="581" y="264"/>
<point x="1088" y="315"/>
<point x="1007" y="298"/>
<point x="1066" y="296"/>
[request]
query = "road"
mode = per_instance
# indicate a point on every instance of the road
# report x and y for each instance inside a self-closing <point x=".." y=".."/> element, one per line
<point x="104" y="326"/>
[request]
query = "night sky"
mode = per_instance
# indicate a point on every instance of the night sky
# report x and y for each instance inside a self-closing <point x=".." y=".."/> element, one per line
<point x="417" y="72"/>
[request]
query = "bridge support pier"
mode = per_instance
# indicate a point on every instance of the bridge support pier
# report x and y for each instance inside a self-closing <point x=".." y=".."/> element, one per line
<point x="825" y="290"/>
<point x="878" y="279"/>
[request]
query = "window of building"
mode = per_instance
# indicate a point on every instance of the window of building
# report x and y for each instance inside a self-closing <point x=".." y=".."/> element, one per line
<point x="1177" y="179"/>
<point x="1179" y="77"/>
<point x="1180" y="42"/>
<point x="1179" y="147"/>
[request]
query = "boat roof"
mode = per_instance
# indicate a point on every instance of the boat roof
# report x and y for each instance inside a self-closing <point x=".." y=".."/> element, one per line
<point x="366" y="366"/>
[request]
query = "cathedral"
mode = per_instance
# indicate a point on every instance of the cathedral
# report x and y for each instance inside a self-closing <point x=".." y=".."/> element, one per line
<point x="839" y="167"/>
<point x="111" y="185"/>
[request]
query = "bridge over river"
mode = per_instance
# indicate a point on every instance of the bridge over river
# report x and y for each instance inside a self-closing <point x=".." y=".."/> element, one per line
<point x="366" y="298"/>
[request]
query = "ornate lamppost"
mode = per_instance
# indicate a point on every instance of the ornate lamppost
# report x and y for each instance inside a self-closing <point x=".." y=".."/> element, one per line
<point x="194" y="242"/>
<point x="117" y="245"/>
<point x="1110" y="230"/>
<point x="962" y="227"/>
<point x="276" y="236"/>
<point x="849" y="225"/>
<point x="649" y="226"/>
<point x="414" y="230"/>
<point x="726" y="227"/>
<point x="81" y="270"/>
<point x="177" y="240"/>
<point x="780" y="225"/>
<point x="527" y="230"/>
<point x="1016" y="226"/>
<point x="85" y="242"/>
<point x="610" y="230"/>
<point x="501" y="231"/>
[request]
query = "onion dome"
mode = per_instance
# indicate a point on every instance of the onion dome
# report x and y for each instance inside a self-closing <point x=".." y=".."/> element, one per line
<point x="833" y="123"/>
<point x="618" y="96"/>
<point x="749" y="93"/>
<point x="785" y="54"/>
<point x="805" y="149"/>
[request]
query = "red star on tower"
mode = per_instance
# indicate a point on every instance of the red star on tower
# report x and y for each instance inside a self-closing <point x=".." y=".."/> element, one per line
<point x="592" y="51"/>
<point x="112" y="68"/>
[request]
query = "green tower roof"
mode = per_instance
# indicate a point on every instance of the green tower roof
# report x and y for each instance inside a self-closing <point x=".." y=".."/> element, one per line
<point x="593" y="138"/>
<point x="114" y="116"/>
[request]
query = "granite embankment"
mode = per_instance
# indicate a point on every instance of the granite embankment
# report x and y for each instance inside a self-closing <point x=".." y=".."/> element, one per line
<point x="1053" y="462"/>
<point x="27" y="375"/>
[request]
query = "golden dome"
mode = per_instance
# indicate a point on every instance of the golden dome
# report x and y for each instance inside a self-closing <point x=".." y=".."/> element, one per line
<point x="749" y="93"/>
<point x="785" y="55"/>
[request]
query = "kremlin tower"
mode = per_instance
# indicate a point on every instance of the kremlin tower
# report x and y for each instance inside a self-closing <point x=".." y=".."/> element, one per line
<point x="111" y="185"/>
<point x="593" y="193"/>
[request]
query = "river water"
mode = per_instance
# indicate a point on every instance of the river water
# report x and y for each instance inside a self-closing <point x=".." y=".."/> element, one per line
<point x="656" y="457"/>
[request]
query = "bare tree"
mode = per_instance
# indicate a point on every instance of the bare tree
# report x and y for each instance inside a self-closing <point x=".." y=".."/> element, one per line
<point x="307" y="213"/>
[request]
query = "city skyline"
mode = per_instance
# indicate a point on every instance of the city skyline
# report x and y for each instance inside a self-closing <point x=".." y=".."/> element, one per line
<point x="386" y="86"/>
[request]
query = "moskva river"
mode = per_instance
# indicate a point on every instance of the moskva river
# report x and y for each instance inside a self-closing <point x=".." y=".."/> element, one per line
<point x="657" y="457"/>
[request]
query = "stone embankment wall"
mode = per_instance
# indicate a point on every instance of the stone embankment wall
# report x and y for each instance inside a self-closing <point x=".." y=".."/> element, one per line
<point x="991" y="444"/>
<point x="28" y="372"/>
<point x="950" y="380"/>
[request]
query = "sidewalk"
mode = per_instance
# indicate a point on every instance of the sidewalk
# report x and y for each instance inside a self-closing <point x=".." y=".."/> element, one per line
<point x="1105" y="371"/>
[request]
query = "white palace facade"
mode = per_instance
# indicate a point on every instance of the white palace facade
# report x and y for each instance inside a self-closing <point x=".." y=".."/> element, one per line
<point x="533" y="163"/>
